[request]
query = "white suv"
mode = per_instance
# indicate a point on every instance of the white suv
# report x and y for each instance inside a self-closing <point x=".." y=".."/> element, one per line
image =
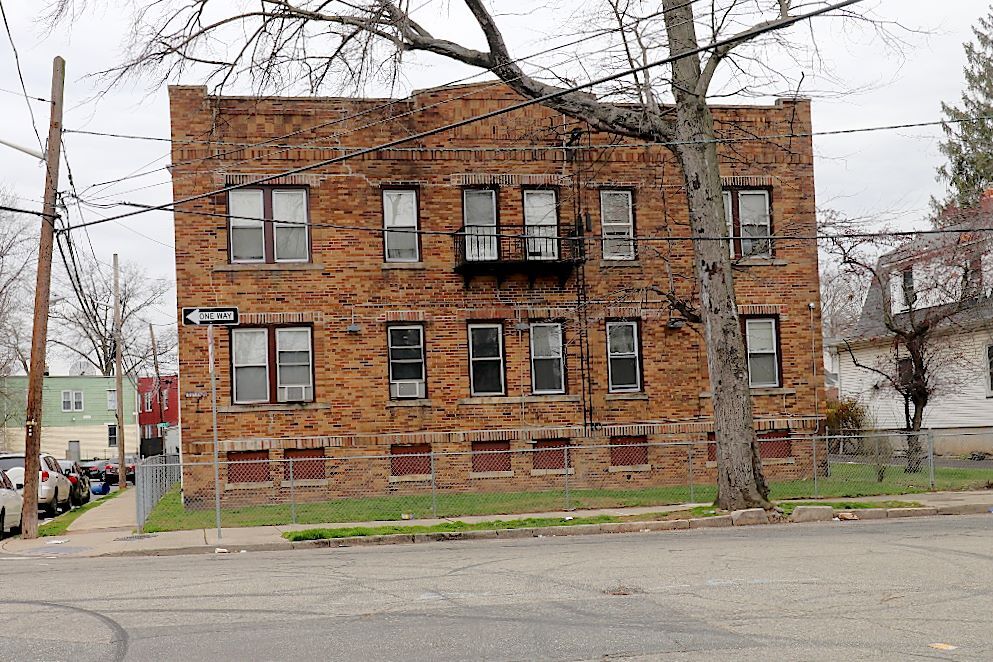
<point x="54" y="489"/>
<point x="10" y="505"/>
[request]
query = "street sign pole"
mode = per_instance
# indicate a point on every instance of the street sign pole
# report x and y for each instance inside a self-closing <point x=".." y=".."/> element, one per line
<point x="213" y="413"/>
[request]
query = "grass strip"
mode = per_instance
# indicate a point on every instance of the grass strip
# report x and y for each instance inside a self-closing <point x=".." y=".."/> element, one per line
<point x="60" y="524"/>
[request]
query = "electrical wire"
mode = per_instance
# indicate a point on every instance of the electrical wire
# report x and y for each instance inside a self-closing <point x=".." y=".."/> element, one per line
<point x="747" y="34"/>
<point x="20" y="76"/>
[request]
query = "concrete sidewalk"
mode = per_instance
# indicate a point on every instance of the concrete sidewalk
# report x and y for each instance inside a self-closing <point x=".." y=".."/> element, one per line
<point x="106" y="534"/>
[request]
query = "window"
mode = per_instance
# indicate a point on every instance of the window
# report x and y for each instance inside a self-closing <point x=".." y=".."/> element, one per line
<point x="406" y="359"/>
<point x="293" y="365"/>
<point x="307" y="463"/>
<point x="617" y="225"/>
<point x="111" y="399"/>
<point x="547" y="359"/>
<point x="749" y="221"/>
<point x="400" y="223"/>
<point x="628" y="451"/>
<point x="541" y="225"/>
<point x="165" y="399"/>
<point x="551" y="454"/>
<point x="907" y="287"/>
<point x="486" y="359"/>
<point x="248" y="467"/>
<point x="268" y="225"/>
<point x="763" y="359"/>
<point x="112" y="435"/>
<point x="284" y="352"/>
<point x="989" y="366"/>
<point x="148" y="401"/>
<point x="490" y="456"/>
<point x="623" y="357"/>
<point x="72" y="401"/>
<point x="479" y="218"/>
<point x="410" y="460"/>
<point x="905" y="371"/>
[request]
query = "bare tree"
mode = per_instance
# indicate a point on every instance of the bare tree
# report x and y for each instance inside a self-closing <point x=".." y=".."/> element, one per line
<point x="16" y="264"/>
<point x="83" y="318"/>
<point x="922" y="294"/>
<point x="321" y="43"/>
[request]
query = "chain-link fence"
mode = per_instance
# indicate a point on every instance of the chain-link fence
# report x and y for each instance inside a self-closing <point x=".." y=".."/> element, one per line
<point x="153" y="477"/>
<point x="412" y="481"/>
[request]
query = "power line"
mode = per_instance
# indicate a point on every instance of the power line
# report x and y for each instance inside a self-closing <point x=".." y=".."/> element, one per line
<point x="20" y="76"/>
<point x="747" y="34"/>
<point x="28" y="211"/>
<point x="26" y="96"/>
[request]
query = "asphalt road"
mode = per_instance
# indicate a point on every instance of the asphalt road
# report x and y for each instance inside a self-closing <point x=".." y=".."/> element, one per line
<point x="885" y="590"/>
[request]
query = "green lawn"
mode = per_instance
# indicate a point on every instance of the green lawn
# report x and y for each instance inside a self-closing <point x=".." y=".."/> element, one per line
<point x="845" y="481"/>
<point x="60" y="524"/>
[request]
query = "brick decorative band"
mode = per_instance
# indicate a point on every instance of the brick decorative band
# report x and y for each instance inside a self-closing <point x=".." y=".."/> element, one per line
<point x="760" y="309"/>
<point x="508" y="179"/>
<point x="233" y="179"/>
<point x="315" y="317"/>
<point x="747" y="180"/>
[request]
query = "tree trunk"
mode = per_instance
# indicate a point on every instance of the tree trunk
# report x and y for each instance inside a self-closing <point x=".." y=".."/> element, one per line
<point x="915" y="445"/>
<point x="740" y="483"/>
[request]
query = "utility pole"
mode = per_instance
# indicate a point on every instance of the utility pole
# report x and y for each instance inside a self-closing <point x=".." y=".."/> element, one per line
<point x="158" y="384"/>
<point x="42" y="294"/>
<point x="122" y="469"/>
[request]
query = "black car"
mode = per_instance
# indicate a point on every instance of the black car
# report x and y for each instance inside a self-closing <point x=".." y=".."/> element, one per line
<point x="80" y="492"/>
<point x="94" y="469"/>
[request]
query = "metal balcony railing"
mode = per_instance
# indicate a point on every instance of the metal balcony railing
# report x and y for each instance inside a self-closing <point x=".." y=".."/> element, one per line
<point x="533" y="251"/>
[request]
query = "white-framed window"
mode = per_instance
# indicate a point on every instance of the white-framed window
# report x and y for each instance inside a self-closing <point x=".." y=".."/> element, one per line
<point x="763" y="353"/>
<point x="246" y="208"/>
<point x="111" y="399"/>
<point x="989" y="370"/>
<point x="112" y="435"/>
<point x="250" y="359"/>
<point x="547" y="358"/>
<point x="164" y="395"/>
<point x="405" y="345"/>
<point x="617" y="224"/>
<point x="294" y="365"/>
<point x="147" y="397"/>
<point x="623" y="357"/>
<point x="72" y="401"/>
<point x="269" y="225"/>
<point x="749" y="221"/>
<point x="400" y="222"/>
<point x="541" y="224"/>
<point x="486" y="376"/>
<point x="290" y="242"/>
<point x="479" y="220"/>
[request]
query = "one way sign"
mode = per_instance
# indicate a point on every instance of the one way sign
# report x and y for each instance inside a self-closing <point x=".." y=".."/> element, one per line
<point x="222" y="316"/>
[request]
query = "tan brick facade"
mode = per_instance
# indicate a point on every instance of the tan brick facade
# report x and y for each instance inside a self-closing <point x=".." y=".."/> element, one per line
<point x="349" y="295"/>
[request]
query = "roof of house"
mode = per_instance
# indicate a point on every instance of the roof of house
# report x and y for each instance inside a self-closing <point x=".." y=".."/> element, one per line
<point x="871" y="324"/>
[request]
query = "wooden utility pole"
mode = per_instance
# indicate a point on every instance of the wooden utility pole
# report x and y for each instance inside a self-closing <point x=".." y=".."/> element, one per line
<point x="122" y="469"/>
<point x="158" y="383"/>
<point x="42" y="294"/>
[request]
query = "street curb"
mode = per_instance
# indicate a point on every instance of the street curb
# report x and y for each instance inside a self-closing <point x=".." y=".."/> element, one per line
<point x="718" y="521"/>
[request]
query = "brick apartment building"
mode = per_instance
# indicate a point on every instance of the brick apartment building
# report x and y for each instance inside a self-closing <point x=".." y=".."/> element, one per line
<point x="158" y="409"/>
<point x="359" y="339"/>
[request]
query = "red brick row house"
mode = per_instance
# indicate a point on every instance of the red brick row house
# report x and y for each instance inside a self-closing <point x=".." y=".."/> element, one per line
<point x="502" y="286"/>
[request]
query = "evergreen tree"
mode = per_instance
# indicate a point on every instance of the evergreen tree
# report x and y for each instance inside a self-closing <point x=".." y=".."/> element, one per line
<point x="968" y="144"/>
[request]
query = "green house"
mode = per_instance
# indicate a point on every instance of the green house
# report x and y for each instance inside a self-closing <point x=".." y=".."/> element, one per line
<point x="79" y="416"/>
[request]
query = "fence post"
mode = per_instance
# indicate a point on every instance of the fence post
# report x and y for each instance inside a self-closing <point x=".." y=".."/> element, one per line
<point x="813" y="446"/>
<point x="930" y="456"/>
<point x="139" y="497"/>
<point x="565" y="462"/>
<point x="293" y="494"/>
<point x="434" y="488"/>
<point x="689" y="470"/>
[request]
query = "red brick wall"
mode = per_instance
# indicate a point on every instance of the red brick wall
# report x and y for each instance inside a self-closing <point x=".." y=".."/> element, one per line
<point x="347" y="280"/>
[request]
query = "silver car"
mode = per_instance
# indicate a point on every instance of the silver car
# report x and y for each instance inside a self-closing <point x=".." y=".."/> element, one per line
<point x="54" y="489"/>
<point x="10" y="505"/>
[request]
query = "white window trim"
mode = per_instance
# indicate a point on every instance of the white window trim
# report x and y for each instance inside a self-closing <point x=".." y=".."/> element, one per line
<point x="415" y="228"/>
<point x="554" y="224"/>
<point x="630" y="226"/>
<point x="235" y="366"/>
<point x="389" y="350"/>
<point x="503" y="380"/>
<point x="558" y="328"/>
<point x="276" y="224"/>
<point x="729" y="220"/>
<point x="775" y="351"/>
<point x="988" y="362"/>
<point x="768" y="221"/>
<point x="164" y="398"/>
<point x="72" y="400"/>
<point x="611" y="388"/>
<point x="114" y="391"/>
<point x="117" y="435"/>
<point x="310" y="361"/>
<point x="147" y="397"/>
<point x="479" y="256"/>
<point x="246" y="223"/>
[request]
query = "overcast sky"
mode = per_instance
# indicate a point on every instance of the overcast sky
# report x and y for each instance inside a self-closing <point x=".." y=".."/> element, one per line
<point x="883" y="172"/>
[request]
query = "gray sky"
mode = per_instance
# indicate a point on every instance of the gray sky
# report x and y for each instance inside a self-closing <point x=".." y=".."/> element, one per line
<point x="889" y="172"/>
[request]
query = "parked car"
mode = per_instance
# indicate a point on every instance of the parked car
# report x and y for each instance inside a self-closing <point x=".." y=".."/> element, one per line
<point x="80" y="481"/>
<point x="93" y="469"/>
<point x="10" y="505"/>
<point x="111" y="472"/>
<point x="54" y="489"/>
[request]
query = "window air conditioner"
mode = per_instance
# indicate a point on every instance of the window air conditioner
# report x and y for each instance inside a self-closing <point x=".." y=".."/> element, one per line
<point x="407" y="389"/>
<point x="293" y="393"/>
